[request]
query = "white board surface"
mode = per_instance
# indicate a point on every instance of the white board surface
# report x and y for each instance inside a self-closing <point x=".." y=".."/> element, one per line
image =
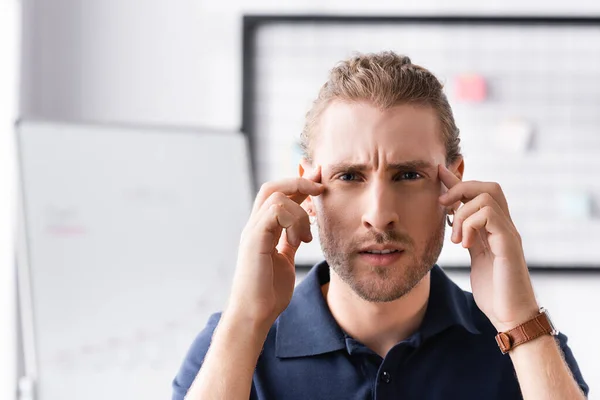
<point x="132" y="240"/>
<point x="529" y="120"/>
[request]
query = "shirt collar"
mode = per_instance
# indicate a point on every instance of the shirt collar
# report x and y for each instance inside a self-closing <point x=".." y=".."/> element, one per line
<point x="448" y="306"/>
<point x="307" y="328"/>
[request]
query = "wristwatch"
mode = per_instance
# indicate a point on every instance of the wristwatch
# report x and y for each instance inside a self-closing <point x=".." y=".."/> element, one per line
<point x="538" y="326"/>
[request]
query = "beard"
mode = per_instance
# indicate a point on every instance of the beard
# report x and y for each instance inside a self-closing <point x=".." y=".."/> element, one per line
<point x="379" y="284"/>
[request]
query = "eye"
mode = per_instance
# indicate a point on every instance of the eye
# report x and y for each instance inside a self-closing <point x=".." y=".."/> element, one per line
<point x="408" y="176"/>
<point x="348" y="176"/>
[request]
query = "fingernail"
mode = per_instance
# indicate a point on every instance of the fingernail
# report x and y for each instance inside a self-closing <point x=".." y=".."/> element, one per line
<point x="317" y="171"/>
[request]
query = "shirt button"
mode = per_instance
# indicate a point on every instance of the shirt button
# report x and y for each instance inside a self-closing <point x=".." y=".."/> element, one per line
<point x="386" y="377"/>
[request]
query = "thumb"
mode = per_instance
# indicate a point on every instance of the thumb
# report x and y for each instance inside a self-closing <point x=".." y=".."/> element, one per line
<point x="480" y="245"/>
<point x="286" y="249"/>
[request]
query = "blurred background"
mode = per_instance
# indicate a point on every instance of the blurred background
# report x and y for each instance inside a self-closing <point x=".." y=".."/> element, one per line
<point x="133" y="136"/>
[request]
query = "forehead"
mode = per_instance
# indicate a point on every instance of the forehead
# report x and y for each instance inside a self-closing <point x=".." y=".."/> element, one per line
<point x="360" y="133"/>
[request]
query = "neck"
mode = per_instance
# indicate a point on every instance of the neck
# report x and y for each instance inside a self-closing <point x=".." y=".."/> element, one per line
<point x="379" y="326"/>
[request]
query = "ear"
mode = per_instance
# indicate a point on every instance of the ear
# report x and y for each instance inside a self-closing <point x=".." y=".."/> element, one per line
<point x="305" y="168"/>
<point x="458" y="168"/>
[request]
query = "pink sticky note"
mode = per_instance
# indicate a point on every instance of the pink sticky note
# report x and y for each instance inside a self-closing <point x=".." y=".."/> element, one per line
<point x="470" y="87"/>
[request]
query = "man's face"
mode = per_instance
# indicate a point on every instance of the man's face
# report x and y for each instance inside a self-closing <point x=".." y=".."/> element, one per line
<point x="380" y="173"/>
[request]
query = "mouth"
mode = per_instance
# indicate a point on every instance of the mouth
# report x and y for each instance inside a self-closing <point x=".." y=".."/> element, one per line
<point x="381" y="256"/>
<point x="381" y="248"/>
<point x="390" y="251"/>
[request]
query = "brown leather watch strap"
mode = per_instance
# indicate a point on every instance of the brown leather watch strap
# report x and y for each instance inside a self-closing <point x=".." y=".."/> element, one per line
<point x="536" y="327"/>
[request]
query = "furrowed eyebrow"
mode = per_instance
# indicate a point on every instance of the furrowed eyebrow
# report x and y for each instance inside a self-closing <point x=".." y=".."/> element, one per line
<point x="403" y="166"/>
<point x="412" y="165"/>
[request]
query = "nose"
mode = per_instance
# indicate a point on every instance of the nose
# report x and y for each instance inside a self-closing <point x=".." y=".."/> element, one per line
<point x="380" y="208"/>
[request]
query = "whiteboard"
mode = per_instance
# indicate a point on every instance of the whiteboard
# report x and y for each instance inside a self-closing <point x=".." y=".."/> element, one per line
<point x="131" y="239"/>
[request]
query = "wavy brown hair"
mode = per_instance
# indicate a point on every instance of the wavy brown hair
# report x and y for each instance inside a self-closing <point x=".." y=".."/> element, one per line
<point x="384" y="80"/>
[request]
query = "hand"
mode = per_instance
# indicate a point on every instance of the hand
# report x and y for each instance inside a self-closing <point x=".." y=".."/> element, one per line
<point x="499" y="277"/>
<point x="265" y="274"/>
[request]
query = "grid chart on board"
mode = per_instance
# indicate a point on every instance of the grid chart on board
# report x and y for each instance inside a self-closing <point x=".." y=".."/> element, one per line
<point x="526" y="98"/>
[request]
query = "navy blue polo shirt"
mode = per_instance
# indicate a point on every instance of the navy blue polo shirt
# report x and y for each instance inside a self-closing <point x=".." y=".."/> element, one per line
<point x="307" y="356"/>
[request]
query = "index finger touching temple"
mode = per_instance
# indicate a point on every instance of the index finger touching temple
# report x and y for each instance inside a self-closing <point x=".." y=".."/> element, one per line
<point x="314" y="174"/>
<point x="447" y="177"/>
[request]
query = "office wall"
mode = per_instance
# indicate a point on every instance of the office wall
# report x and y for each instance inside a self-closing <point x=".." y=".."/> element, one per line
<point x="9" y="25"/>
<point x="179" y="63"/>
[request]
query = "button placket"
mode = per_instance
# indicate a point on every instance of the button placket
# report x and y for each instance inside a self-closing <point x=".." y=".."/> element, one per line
<point x="386" y="377"/>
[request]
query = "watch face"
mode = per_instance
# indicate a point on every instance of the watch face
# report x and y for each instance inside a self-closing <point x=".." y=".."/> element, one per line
<point x="554" y="330"/>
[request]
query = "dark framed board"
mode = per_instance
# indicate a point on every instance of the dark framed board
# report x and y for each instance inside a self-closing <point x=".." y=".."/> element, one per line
<point x="524" y="91"/>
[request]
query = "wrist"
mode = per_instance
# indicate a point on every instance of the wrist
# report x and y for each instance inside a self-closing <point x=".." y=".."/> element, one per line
<point x="238" y="321"/>
<point x="538" y="346"/>
<point x="536" y="327"/>
<point x="526" y="314"/>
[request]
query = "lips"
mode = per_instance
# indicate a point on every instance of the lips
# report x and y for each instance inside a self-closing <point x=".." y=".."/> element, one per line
<point x="381" y="258"/>
<point x="381" y="249"/>
<point x="389" y="251"/>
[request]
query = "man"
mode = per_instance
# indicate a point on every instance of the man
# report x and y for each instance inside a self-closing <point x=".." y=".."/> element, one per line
<point x="379" y="320"/>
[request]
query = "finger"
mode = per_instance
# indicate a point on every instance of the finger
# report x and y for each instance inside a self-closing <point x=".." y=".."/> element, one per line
<point x="467" y="191"/>
<point x="447" y="177"/>
<point x="449" y="180"/>
<point x="300" y="188"/>
<point x="268" y="227"/>
<point x="494" y="228"/>
<point x="470" y="208"/>
<point x="286" y="249"/>
<point x="314" y="176"/>
<point x="299" y="229"/>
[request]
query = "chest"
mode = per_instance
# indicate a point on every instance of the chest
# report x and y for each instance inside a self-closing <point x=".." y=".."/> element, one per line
<point x="423" y="374"/>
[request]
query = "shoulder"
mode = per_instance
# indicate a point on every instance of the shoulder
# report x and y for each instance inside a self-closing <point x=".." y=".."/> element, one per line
<point x="194" y="358"/>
